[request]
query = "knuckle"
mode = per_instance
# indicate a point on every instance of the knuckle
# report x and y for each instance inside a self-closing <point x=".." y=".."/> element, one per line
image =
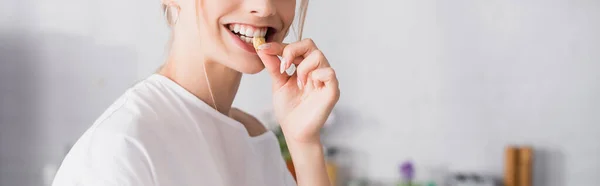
<point x="309" y="41"/>
<point x="288" y="51"/>
<point x="335" y="95"/>
<point x="319" y="53"/>
<point x="320" y="56"/>
<point x="301" y="70"/>
<point x="331" y="72"/>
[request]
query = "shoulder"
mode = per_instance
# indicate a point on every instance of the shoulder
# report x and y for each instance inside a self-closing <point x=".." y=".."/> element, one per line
<point x="115" y="148"/>
<point x="108" y="153"/>
<point x="253" y="125"/>
<point x="146" y="103"/>
<point x="127" y="118"/>
<point x="106" y="158"/>
<point x="127" y="113"/>
<point x="137" y="117"/>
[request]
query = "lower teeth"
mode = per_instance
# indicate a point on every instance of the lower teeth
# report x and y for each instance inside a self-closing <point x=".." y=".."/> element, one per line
<point x="246" y="39"/>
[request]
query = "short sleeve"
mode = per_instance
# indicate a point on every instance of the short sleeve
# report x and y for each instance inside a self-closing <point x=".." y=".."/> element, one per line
<point x="109" y="159"/>
<point x="116" y="159"/>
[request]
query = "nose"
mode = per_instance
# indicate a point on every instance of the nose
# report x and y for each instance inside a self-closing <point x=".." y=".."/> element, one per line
<point x="260" y="8"/>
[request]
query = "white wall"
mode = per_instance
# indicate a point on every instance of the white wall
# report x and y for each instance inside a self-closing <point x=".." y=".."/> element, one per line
<point x="62" y="62"/>
<point x="445" y="83"/>
<point x="450" y="83"/>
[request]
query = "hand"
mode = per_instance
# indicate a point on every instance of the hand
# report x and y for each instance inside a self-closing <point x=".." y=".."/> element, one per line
<point x="304" y="100"/>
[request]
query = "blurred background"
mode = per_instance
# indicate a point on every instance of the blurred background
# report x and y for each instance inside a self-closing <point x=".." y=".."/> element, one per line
<point x="444" y="85"/>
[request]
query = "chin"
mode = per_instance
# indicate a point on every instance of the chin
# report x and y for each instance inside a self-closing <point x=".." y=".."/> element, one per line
<point x="252" y="70"/>
<point x="249" y="66"/>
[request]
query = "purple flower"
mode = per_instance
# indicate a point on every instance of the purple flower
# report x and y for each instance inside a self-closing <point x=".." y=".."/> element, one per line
<point x="407" y="170"/>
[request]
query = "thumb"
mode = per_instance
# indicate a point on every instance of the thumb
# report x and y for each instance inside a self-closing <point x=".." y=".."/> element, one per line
<point x="269" y="57"/>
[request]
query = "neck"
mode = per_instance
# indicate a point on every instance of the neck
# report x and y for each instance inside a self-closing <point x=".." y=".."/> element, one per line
<point x="210" y="81"/>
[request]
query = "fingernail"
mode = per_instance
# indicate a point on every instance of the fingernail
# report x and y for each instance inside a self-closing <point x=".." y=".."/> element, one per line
<point x="264" y="46"/>
<point x="290" y="71"/>
<point x="282" y="66"/>
<point x="299" y="84"/>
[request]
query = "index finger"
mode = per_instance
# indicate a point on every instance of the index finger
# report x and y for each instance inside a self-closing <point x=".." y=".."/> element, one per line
<point x="272" y="48"/>
<point x="301" y="49"/>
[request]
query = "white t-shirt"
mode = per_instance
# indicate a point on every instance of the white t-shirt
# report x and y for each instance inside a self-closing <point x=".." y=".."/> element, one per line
<point x="158" y="133"/>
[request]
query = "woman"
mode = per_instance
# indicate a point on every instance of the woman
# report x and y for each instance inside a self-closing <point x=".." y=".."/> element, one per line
<point x="177" y="127"/>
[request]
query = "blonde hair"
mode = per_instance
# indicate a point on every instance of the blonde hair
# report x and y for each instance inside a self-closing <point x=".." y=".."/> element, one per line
<point x="301" y="17"/>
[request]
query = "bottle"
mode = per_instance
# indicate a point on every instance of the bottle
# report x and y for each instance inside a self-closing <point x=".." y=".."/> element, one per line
<point x="332" y="167"/>
<point x="524" y="166"/>
<point x="407" y="173"/>
<point x="510" y="166"/>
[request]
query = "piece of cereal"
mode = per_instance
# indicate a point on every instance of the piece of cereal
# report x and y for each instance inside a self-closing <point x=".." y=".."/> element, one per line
<point x="257" y="41"/>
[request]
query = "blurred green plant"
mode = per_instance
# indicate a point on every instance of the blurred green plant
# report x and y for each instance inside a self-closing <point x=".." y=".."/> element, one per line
<point x="282" y="144"/>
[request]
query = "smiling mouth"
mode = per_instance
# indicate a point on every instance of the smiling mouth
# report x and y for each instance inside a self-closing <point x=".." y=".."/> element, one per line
<point x="247" y="32"/>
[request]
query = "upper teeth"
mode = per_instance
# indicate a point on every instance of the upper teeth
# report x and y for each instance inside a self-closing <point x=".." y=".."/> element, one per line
<point x="248" y="31"/>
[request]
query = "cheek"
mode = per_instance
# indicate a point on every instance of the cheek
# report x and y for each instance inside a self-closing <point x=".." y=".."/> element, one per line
<point x="287" y="10"/>
<point x="209" y="12"/>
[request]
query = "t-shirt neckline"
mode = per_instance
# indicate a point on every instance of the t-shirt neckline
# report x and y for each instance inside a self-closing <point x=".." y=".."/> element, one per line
<point x="204" y="106"/>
